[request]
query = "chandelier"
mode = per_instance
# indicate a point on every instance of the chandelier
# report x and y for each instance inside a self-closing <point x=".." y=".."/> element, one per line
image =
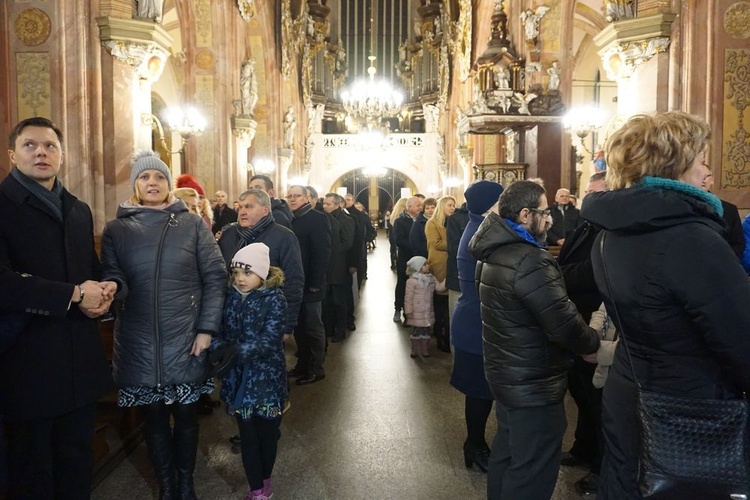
<point x="369" y="98"/>
<point x="582" y="122"/>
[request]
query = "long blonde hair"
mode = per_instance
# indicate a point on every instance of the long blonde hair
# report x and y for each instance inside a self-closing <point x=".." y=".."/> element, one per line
<point x="661" y="145"/>
<point x="397" y="209"/>
<point x="439" y="214"/>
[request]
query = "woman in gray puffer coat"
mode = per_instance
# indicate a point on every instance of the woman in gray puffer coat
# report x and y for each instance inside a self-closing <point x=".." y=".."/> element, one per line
<point x="171" y="279"/>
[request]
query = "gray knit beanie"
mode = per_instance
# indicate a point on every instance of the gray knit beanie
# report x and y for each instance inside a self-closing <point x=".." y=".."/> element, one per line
<point x="148" y="160"/>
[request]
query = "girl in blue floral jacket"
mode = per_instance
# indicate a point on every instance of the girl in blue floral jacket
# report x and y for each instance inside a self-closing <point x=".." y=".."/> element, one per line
<point x="255" y="387"/>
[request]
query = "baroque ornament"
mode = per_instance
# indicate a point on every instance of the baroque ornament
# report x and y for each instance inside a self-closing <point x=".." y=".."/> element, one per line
<point x="147" y="60"/>
<point x="621" y="59"/>
<point x="247" y="9"/>
<point x="737" y="20"/>
<point x="32" y="26"/>
<point x="737" y="149"/>
<point x="33" y="80"/>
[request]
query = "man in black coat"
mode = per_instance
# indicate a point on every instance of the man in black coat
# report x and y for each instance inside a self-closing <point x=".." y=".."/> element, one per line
<point x="564" y="218"/>
<point x="530" y="332"/>
<point x="54" y="371"/>
<point x="255" y="224"/>
<point x="402" y="229"/>
<point x="279" y="208"/>
<point x="335" y="307"/>
<point x="578" y="272"/>
<point x="313" y="232"/>
<point x="734" y="235"/>
<point x="223" y="213"/>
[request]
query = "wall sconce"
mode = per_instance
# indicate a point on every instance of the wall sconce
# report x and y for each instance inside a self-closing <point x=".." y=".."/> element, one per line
<point x="262" y="166"/>
<point x="582" y="122"/>
<point x="188" y="123"/>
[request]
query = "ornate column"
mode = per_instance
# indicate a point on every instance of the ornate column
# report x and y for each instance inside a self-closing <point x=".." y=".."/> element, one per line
<point x="135" y="56"/>
<point x="634" y="53"/>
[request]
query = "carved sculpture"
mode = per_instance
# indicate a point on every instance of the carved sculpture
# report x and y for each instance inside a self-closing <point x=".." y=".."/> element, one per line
<point x="290" y="124"/>
<point x="614" y="10"/>
<point x="248" y="87"/>
<point x="150" y="9"/>
<point x="554" y="77"/>
<point x="502" y="78"/>
<point x="530" y="20"/>
<point x="522" y="102"/>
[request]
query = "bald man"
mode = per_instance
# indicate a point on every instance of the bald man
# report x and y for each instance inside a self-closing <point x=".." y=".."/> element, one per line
<point x="564" y="218"/>
<point x="223" y="215"/>
<point x="402" y="228"/>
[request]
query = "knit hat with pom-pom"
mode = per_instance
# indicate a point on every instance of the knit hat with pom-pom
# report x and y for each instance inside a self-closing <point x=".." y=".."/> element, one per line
<point x="148" y="160"/>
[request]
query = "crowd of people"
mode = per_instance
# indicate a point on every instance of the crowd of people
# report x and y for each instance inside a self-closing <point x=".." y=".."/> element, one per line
<point x="204" y="291"/>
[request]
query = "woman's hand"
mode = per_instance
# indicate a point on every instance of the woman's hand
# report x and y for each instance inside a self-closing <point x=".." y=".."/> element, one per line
<point x="201" y="343"/>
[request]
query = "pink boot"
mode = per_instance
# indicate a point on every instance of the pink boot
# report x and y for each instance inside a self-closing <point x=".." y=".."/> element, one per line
<point x="416" y="348"/>
<point x="255" y="495"/>
<point x="267" y="489"/>
<point x="425" y="347"/>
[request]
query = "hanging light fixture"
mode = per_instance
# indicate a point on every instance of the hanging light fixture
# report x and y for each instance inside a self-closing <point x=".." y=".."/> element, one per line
<point x="370" y="98"/>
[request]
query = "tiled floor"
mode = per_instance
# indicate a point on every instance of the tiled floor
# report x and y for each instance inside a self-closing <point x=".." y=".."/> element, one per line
<point x="381" y="425"/>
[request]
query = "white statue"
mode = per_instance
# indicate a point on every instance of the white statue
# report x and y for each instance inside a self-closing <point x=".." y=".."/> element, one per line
<point x="340" y="59"/>
<point x="417" y="28"/>
<point x="461" y="138"/>
<point x="504" y="102"/>
<point x="310" y="25"/>
<point x="431" y="117"/>
<point x="554" y="77"/>
<point x="530" y="20"/>
<point x="402" y="51"/>
<point x="150" y="9"/>
<point x="502" y="78"/>
<point x="522" y="101"/>
<point x="615" y="10"/>
<point x="248" y="87"/>
<point x="290" y="123"/>
<point x="315" y="118"/>
<point x="438" y="26"/>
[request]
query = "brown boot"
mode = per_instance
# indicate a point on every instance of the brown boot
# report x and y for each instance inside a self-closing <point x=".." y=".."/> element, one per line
<point x="425" y="347"/>
<point x="415" y="347"/>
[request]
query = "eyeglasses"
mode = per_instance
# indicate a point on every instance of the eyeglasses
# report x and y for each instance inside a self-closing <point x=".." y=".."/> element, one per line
<point x="294" y="196"/>
<point x="544" y="213"/>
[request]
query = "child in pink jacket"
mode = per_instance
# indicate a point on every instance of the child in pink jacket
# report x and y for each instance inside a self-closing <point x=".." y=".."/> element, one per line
<point x="420" y="287"/>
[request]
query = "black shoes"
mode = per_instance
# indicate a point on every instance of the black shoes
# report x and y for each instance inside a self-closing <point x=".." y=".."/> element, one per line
<point x="588" y="484"/>
<point x="310" y="379"/>
<point x="351" y="327"/>
<point x="295" y="372"/>
<point x="570" y="460"/>
<point x="476" y="456"/>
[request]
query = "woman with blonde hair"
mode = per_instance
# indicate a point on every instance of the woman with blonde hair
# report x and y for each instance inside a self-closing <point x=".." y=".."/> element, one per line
<point x="675" y="290"/>
<point x="398" y="209"/>
<point x="171" y="280"/>
<point x="437" y="258"/>
<point x="190" y="197"/>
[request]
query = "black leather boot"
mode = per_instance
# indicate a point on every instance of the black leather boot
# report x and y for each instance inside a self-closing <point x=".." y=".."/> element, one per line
<point x="186" y="449"/>
<point x="159" y="446"/>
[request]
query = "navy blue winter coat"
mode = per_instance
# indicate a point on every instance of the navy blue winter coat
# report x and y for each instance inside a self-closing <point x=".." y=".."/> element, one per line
<point x="466" y="321"/>
<point x="256" y="325"/>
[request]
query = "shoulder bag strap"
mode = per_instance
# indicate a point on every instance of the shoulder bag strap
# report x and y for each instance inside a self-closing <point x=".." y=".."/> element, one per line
<point x="614" y="306"/>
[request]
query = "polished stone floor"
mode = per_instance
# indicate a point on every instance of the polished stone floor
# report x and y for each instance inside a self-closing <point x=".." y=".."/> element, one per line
<point x="381" y="425"/>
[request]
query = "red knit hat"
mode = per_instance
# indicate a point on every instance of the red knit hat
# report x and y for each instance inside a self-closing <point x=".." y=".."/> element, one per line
<point x="188" y="181"/>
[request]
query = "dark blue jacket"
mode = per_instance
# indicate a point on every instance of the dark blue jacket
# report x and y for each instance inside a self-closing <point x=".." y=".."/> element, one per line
<point x="466" y="321"/>
<point x="284" y="252"/>
<point x="257" y="326"/>
<point x="454" y="229"/>
<point x="417" y="237"/>
<point x="746" y="254"/>
<point x="281" y="213"/>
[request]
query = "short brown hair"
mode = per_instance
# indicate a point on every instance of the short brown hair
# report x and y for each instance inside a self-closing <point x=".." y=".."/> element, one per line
<point x="660" y="145"/>
<point x="36" y="121"/>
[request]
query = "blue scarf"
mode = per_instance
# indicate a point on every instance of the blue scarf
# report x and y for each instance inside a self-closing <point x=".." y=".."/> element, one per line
<point x="683" y="187"/>
<point x="523" y="233"/>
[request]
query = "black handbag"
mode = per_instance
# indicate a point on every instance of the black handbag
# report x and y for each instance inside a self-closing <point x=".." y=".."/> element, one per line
<point x="690" y="448"/>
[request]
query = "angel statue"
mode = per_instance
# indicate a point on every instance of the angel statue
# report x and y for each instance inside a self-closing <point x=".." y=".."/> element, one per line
<point x="554" y="76"/>
<point x="248" y="87"/>
<point x="530" y="20"/>
<point x="522" y="101"/>
<point x="502" y="78"/>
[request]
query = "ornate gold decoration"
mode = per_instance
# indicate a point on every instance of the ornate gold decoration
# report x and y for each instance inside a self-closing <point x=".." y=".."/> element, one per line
<point x="147" y="59"/>
<point x="247" y="9"/>
<point x="736" y="150"/>
<point x="621" y="59"/>
<point x="204" y="59"/>
<point x="33" y="82"/>
<point x="204" y="33"/>
<point x="291" y="36"/>
<point x="737" y="20"/>
<point x="33" y="26"/>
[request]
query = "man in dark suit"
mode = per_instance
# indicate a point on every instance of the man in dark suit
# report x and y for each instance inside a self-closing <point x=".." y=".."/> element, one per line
<point x="313" y="232"/>
<point x="335" y="308"/>
<point x="578" y="273"/>
<point x="55" y="370"/>
<point x="279" y="208"/>
<point x="223" y="213"/>
<point x="402" y="229"/>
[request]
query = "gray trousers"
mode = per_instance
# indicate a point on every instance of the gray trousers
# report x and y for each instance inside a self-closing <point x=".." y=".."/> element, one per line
<point x="311" y="339"/>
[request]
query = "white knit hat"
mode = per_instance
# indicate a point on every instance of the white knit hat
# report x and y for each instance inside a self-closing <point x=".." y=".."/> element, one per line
<point x="254" y="258"/>
<point x="148" y="160"/>
<point x="416" y="263"/>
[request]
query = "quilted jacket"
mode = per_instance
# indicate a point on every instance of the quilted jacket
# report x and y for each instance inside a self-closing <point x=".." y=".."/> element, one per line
<point x="256" y="325"/>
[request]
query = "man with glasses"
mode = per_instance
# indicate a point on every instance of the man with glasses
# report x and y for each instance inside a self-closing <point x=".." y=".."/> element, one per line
<point x="530" y="331"/>
<point x="313" y="231"/>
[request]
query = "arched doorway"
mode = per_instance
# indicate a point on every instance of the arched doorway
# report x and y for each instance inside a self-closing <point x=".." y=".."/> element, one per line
<point x="377" y="194"/>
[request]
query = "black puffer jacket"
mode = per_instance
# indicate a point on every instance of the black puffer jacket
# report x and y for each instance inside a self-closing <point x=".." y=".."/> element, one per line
<point x="172" y="284"/>
<point x="530" y="328"/>
<point x="682" y="299"/>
